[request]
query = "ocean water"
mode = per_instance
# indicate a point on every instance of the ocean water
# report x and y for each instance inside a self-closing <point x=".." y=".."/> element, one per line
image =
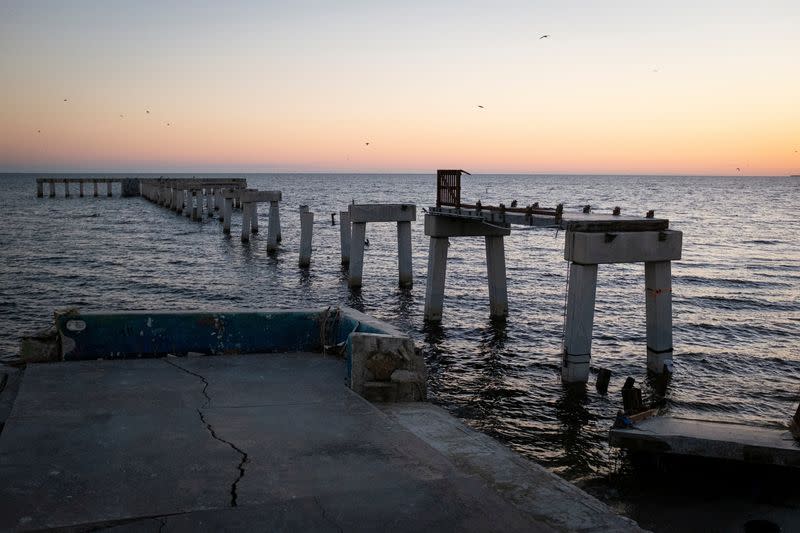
<point x="736" y="291"/>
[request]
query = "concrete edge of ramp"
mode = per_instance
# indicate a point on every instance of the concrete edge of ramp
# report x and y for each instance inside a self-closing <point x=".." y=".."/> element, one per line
<point x="528" y="486"/>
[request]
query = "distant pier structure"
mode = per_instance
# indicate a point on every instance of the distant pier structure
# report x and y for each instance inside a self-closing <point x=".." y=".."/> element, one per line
<point x="128" y="186"/>
<point x="590" y="239"/>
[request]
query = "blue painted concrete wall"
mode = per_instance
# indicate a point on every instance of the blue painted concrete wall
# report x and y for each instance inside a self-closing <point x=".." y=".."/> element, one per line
<point x="120" y="335"/>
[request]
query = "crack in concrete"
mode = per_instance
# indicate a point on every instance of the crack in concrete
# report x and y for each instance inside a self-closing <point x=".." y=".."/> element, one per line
<point x="195" y="374"/>
<point x="213" y="433"/>
<point x="326" y="517"/>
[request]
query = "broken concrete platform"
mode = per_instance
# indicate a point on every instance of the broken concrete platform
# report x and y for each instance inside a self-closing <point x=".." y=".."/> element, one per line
<point x="713" y="440"/>
<point x="268" y="442"/>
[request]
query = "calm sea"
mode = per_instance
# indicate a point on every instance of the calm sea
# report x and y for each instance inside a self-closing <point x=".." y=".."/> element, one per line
<point x="736" y="291"/>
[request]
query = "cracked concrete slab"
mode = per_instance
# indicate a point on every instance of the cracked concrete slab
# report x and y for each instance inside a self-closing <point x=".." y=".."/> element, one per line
<point x="173" y="444"/>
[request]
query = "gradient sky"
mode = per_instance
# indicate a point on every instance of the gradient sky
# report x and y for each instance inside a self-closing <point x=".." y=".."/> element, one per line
<point x="619" y="87"/>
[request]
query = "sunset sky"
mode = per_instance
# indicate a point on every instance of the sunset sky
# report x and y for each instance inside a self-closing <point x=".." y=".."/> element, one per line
<point x="617" y="87"/>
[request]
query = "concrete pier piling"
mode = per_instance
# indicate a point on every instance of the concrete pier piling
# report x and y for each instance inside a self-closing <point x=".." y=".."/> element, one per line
<point x="578" y="323"/>
<point x="66" y="188"/>
<point x="658" y="309"/>
<point x="108" y="189"/>
<point x="227" y="211"/>
<point x="95" y="189"/>
<point x="273" y="227"/>
<point x="306" y="230"/>
<point x="404" y="254"/>
<point x="496" y="274"/>
<point x="52" y="189"/>
<point x="586" y="250"/>
<point x="253" y="217"/>
<point x="196" y="206"/>
<point x="440" y="229"/>
<point x="39" y="188"/>
<point x="437" y="272"/>
<point x="344" y="235"/>
<point x="80" y="189"/>
<point x="247" y="214"/>
<point x="360" y="215"/>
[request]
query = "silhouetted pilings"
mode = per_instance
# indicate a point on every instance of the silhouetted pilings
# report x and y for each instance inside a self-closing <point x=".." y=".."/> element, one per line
<point x="128" y="186"/>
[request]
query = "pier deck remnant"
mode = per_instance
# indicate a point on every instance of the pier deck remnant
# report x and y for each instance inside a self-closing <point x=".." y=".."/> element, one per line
<point x="591" y="239"/>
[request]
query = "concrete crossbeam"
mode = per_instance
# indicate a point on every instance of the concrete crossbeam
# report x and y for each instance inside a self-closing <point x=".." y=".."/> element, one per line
<point x="260" y="196"/>
<point x="446" y="226"/>
<point x="622" y="247"/>
<point x="382" y="212"/>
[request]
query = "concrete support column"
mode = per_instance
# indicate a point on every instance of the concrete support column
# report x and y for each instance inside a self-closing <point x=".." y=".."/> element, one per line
<point x="39" y="189"/>
<point x="306" y="229"/>
<point x="496" y="270"/>
<point x="273" y="227"/>
<point x="210" y="200"/>
<point x="578" y="323"/>
<point x="80" y="189"/>
<point x="96" y="194"/>
<point x="254" y="217"/>
<point x="197" y="207"/>
<point x="187" y="208"/>
<point x="658" y="294"/>
<point x="404" y="253"/>
<point x="52" y="189"/>
<point x="358" y="235"/>
<point x="66" y="189"/>
<point x="437" y="271"/>
<point x="108" y="189"/>
<point x="247" y="214"/>
<point x="344" y="235"/>
<point x="218" y="201"/>
<point x="278" y="235"/>
<point x="227" y="209"/>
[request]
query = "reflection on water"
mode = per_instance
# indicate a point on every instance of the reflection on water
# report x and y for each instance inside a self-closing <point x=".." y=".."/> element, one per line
<point x="736" y="292"/>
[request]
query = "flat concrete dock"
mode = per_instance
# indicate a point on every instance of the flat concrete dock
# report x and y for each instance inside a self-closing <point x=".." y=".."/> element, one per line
<point x="716" y="440"/>
<point x="257" y="442"/>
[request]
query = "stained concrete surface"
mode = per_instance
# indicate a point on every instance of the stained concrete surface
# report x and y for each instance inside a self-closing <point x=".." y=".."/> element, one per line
<point x="268" y="442"/>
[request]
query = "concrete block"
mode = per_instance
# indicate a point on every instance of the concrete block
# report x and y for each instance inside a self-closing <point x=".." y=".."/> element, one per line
<point x="247" y="196"/>
<point x="392" y="360"/>
<point x="383" y="212"/>
<point x="446" y="226"/>
<point x="41" y="346"/>
<point x="623" y="247"/>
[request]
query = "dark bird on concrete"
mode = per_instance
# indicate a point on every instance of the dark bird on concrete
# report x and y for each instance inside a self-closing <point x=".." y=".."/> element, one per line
<point x="544" y="37"/>
<point x="514" y="203"/>
<point x="366" y="243"/>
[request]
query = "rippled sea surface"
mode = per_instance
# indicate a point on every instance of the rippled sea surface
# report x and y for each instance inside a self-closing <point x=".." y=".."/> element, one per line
<point x="736" y="291"/>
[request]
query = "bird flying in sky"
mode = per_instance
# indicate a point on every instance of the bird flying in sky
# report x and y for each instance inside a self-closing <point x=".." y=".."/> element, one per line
<point x="366" y="143"/>
<point x="481" y="107"/>
<point x="738" y="169"/>
<point x="544" y="37"/>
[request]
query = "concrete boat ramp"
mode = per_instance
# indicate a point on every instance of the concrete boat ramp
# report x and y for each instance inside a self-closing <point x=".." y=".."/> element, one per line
<point x="714" y="440"/>
<point x="271" y="442"/>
